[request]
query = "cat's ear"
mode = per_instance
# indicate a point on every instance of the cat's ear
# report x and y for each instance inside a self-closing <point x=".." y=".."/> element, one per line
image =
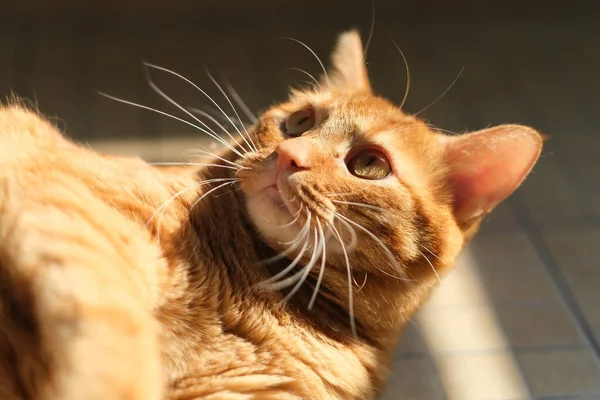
<point x="485" y="167"/>
<point x="348" y="71"/>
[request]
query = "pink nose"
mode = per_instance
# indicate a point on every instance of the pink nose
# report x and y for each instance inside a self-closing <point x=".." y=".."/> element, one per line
<point x="298" y="154"/>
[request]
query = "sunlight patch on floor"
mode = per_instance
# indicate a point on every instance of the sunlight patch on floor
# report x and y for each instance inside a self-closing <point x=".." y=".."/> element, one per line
<point x="464" y="344"/>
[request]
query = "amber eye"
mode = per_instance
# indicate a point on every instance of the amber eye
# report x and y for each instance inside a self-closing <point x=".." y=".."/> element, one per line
<point x="370" y="164"/>
<point x="299" y="122"/>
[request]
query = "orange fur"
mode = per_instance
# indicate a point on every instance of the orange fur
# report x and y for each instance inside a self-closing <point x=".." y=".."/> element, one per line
<point x="106" y="294"/>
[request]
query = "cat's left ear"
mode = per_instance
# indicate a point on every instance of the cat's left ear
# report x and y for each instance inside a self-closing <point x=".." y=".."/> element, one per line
<point x="487" y="166"/>
<point x="348" y="71"/>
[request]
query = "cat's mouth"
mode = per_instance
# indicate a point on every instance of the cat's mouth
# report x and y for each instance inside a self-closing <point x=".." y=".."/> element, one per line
<point x="281" y="195"/>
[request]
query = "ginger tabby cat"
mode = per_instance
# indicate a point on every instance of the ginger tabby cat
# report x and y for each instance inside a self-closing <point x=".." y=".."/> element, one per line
<point x="285" y="270"/>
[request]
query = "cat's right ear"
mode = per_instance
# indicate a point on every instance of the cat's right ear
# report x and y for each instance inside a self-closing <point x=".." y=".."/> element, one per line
<point x="348" y="71"/>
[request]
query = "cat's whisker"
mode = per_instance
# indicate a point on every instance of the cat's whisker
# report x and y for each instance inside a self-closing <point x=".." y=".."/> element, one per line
<point x="170" y="100"/>
<point x="306" y="225"/>
<point x="205" y="151"/>
<point x="296" y="218"/>
<point x="433" y="254"/>
<point x="435" y="128"/>
<point x="184" y="190"/>
<point x="195" y="203"/>
<point x="316" y="57"/>
<point x="292" y="199"/>
<point x="241" y="103"/>
<point x="371" y="30"/>
<point x="161" y="210"/>
<point x="407" y="90"/>
<point x="131" y="103"/>
<point x="267" y="283"/>
<point x="209" y="117"/>
<point x="432" y="267"/>
<point x="322" y="269"/>
<point x="350" y="292"/>
<point x="294" y="243"/>
<point x="316" y="83"/>
<point x="443" y="93"/>
<point x="196" y="164"/>
<point x="388" y="252"/>
<point x="205" y="94"/>
<point x="253" y="145"/>
<point x="364" y="282"/>
<point x="303" y="273"/>
<point x="216" y="114"/>
<point x="351" y="203"/>
<point x="430" y="252"/>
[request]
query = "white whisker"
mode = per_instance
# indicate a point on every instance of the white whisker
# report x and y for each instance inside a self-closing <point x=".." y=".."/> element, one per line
<point x="293" y="221"/>
<point x="364" y="282"/>
<point x="196" y="164"/>
<point x="131" y="103"/>
<point x="443" y="93"/>
<point x="210" y="153"/>
<point x="432" y="267"/>
<point x="303" y="273"/>
<point x="316" y="57"/>
<point x="407" y="75"/>
<point x="253" y="145"/>
<point x="161" y="210"/>
<point x="210" y="118"/>
<point x="201" y="91"/>
<point x="245" y="109"/>
<point x="170" y="100"/>
<point x="388" y="252"/>
<point x="267" y="283"/>
<point x="295" y="243"/>
<point x="316" y="83"/>
<point x="195" y="185"/>
<point x="366" y="50"/>
<point x="195" y="203"/>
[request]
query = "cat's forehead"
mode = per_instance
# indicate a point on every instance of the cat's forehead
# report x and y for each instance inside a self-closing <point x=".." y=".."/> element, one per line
<point x="362" y="115"/>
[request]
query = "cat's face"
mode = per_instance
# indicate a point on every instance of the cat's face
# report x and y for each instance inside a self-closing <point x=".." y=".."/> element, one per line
<point x="344" y="176"/>
<point x="354" y="166"/>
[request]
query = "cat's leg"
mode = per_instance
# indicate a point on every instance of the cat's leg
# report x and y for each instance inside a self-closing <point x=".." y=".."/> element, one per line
<point x="75" y="298"/>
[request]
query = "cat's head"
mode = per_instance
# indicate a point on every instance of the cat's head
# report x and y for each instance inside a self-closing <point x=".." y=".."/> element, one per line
<point x="343" y="174"/>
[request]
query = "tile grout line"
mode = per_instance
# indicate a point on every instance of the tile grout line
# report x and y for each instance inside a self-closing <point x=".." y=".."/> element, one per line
<point x="542" y="249"/>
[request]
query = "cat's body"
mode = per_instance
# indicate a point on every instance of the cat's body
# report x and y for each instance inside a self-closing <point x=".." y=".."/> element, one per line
<point x="218" y="335"/>
<point x="111" y="288"/>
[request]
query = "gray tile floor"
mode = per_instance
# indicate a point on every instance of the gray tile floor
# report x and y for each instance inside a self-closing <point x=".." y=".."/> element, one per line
<point x="520" y="316"/>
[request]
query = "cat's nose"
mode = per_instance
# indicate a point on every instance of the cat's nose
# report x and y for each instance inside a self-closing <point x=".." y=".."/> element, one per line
<point x="297" y="153"/>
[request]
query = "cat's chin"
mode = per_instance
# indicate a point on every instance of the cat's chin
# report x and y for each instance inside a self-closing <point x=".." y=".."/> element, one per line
<point x="272" y="215"/>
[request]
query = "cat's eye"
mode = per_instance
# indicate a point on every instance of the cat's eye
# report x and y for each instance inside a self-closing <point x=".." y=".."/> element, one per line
<point x="370" y="164"/>
<point x="299" y="122"/>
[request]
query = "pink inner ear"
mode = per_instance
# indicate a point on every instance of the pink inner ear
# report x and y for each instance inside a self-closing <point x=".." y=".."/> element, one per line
<point x="489" y="165"/>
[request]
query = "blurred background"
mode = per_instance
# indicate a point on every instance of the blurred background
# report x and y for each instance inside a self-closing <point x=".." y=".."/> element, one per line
<point x="520" y="316"/>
